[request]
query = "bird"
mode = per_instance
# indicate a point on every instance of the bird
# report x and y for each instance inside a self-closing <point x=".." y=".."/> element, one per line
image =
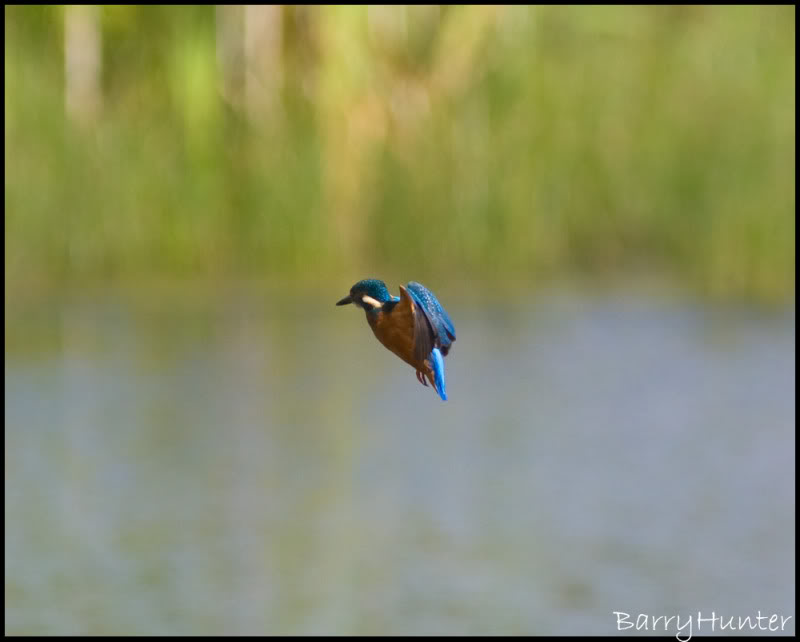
<point x="414" y="326"/>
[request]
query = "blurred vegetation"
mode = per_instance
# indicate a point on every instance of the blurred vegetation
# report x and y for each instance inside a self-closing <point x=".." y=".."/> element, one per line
<point x="506" y="143"/>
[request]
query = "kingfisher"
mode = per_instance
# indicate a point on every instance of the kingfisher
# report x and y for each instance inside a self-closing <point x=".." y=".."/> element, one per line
<point x="414" y="326"/>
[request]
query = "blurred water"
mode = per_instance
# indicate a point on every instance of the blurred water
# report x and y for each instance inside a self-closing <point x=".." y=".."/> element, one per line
<point x="244" y="464"/>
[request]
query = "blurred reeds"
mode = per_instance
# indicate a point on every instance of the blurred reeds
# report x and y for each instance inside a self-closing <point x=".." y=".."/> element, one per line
<point x="501" y="143"/>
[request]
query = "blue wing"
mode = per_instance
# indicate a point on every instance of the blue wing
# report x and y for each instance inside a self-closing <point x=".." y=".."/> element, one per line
<point x="443" y="329"/>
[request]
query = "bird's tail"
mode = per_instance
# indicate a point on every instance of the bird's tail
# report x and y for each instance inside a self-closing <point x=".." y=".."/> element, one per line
<point x="438" y="373"/>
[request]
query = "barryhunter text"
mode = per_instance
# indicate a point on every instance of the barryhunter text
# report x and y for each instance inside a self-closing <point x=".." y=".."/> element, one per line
<point x="686" y="625"/>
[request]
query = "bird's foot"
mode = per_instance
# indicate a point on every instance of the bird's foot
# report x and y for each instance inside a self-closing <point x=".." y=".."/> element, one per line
<point x="421" y="378"/>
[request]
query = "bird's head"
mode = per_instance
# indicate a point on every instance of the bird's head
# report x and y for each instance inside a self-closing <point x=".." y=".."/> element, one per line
<point x="369" y="294"/>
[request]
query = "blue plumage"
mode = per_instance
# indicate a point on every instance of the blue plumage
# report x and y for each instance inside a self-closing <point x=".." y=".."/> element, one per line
<point x="414" y="326"/>
<point x="375" y="288"/>
<point x="443" y="328"/>
<point x="437" y="361"/>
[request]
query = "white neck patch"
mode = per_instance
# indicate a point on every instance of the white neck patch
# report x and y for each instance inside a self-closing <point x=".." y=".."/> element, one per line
<point x="373" y="302"/>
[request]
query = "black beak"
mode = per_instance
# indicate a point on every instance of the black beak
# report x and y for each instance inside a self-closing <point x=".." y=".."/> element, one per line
<point x="345" y="301"/>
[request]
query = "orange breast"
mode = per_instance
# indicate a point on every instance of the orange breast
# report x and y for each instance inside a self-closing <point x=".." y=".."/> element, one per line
<point x="395" y="330"/>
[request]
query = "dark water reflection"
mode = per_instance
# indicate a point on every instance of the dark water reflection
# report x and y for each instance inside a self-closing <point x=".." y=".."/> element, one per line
<point x="261" y="466"/>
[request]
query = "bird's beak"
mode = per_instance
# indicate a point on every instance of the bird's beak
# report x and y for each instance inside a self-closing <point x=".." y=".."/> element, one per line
<point x="345" y="301"/>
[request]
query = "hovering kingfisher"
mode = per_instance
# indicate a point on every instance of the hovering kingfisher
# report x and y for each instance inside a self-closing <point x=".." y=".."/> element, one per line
<point x="414" y="326"/>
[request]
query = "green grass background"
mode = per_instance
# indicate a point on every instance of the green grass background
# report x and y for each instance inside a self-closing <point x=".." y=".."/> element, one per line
<point x="474" y="143"/>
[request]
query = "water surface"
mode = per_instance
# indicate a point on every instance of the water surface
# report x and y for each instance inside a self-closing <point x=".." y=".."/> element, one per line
<point x="238" y="464"/>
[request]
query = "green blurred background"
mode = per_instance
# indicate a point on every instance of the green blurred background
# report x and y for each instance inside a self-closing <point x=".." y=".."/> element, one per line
<point x="493" y="143"/>
<point x="198" y="441"/>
